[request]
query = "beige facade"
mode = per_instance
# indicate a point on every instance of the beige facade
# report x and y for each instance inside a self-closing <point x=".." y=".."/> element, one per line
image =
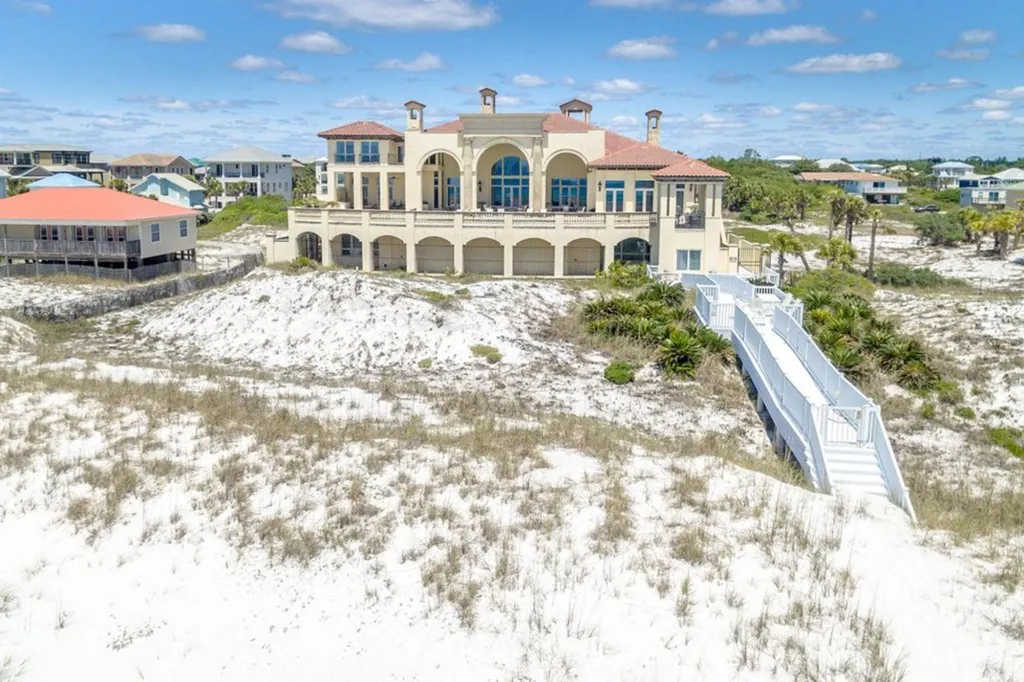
<point x="509" y="194"/>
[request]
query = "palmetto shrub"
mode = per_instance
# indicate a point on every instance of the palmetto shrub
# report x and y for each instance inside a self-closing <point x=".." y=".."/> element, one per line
<point x="815" y="300"/>
<point x="625" y="275"/>
<point x="713" y="342"/>
<point x="681" y="353"/>
<point x="874" y="339"/>
<point x="900" y="352"/>
<point x="847" y="360"/>
<point x="820" y="316"/>
<point x="843" y="324"/>
<point x="619" y="372"/>
<point x="608" y="306"/>
<point x="828" y="339"/>
<point x="917" y="376"/>
<point x="663" y="292"/>
<point x="854" y="306"/>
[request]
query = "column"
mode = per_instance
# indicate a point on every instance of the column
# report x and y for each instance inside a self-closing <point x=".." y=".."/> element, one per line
<point x="382" y="196"/>
<point x="367" y="255"/>
<point x="459" y="253"/>
<point x="506" y="251"/>
<point x="468" y="178"/>
<point x="609" y="252"/>
<point x="410" y="254"/>
<point x="326" y="254"/>
<point x="357" y="190"/>
<point x="537" y="176"/>
<point x="559" y="259"/>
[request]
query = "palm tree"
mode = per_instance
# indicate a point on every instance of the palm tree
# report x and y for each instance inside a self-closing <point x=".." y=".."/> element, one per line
<point x="837" y="209"/>
<point x="802" y="199"/>
<point x="978" y="228"/>
<point x="967" y="217"/>
<point x="876" y="216"/>
<point x="786" y="206"/>
<point x="237" y="189"/>
<point x="1018" y="232"/>
<point x="837" y="252"/>
<point x="212" y="187"/>
<point x="855" y="210"/>
<point x="16" y="186"/>
<point x="781" y="243"/>
<point x="119" y="185"/>
<point x="1002" y="224"/>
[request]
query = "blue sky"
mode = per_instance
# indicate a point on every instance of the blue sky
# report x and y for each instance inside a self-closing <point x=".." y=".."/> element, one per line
<point x="812" y="77"/>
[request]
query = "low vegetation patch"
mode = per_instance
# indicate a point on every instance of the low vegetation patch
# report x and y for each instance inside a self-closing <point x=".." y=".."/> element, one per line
<point x="271" y="211"/>
<point x="904" y="276"/>
<point x="621" y="275"/>
<point x="490" y="353"/>
<point x="438" y="298"/>
<point x="809" y="242"/>
<point x="660" y="318"/>
<point x="619" y="372"/>
<point x="1010" y="439"/>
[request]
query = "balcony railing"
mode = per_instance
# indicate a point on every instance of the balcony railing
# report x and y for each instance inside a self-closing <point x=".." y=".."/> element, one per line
<point x="690" y="221"/>
<point x="523" y="220"/>
<point x="29" y="248"/>
<point x="370" y="159"/>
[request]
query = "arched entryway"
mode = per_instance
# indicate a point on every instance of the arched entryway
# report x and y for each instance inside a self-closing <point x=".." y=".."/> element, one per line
<point x="567" y="187"/>
<point x="503" y="177"/>
<point x="347" y="251"/>
<point x="482" y="256"/>
<point x="441" y="182"/>
<point x="633" y="251"/>
<point x="533" y="257"/>
<point x="583" y="257"/>
<point x="309" y="245"/>
<point x="435" y="255"/>
<point x="388" y="253"/>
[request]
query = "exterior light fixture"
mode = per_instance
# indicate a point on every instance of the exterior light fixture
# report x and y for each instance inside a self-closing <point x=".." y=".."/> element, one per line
<point x="479" y="187"/>
<point x="600" y="184"/>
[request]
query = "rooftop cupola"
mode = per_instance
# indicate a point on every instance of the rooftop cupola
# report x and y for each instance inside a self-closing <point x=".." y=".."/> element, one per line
<point x="653" y="123"/>
<point x="414" y="115"/>
<point x="577" y="106"/>
<point x="487" y="100"/>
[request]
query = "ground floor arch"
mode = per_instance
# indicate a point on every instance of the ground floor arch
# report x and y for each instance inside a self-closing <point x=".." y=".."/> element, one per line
<point x="309" y="245"/>
<point x="533" y="257"/>
<point x="583" y="257"/>
<point x="347" y="251"/>
<point x="389" y="253"/>
<point x="633" y="251"/>
<point x="482" y="256"/>
<point x="435" y="255"/>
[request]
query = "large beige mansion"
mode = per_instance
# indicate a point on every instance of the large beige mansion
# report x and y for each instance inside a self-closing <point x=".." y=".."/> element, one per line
<point x="509" y="194"/>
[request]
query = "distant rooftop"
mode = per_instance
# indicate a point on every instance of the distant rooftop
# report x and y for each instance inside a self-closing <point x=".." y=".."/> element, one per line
<point x="42" y="147"/>
<point x="245" y="155"/>
<point x="175" y="179"/>
<point x="62" y="180"/>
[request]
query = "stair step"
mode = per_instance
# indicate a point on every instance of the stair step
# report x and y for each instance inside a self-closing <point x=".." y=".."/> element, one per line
<point x="876" y="490"/>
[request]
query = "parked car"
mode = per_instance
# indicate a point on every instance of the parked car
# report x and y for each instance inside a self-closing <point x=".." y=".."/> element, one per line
<point x="930" y="208"/>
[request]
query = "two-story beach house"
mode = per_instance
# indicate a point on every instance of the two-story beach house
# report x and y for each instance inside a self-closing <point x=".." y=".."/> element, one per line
<point x="988" y="192"/>
<point x="873" y="188"/>
<point x="34" y="161"/>
<point x="946" y="175"/>
<point x="132" y="169"/>
<point x="254" y="171"/>
<point x="511" y="194"/>
<point x="172" y="188"/>
<point x="94" y="230"/>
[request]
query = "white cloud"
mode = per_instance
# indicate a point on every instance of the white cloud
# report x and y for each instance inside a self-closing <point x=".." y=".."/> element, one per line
<point x="173" y="105"/>
<point x="568" y="80"/>
<point x="848" y="63"/>
<point x="251" y="62"/>
<point x="30" y="6"/>
<point x="725" y="38"/>
<point x="713" y="122"/>
<point x="646" y="48"/>
<point x="364" y="102"/>
<point x="769" y="111"/>
<point x="986" y="104"/>
<point x="526" y="80"/>
<point x="401" y="15"/>
<point x="750" y="7"/>
<point x="320" y="42"/>
<point x="170" y="33"/>
<point x="951" y="84"/>
<point x="977" y="37"/>
<point x="812" y="107"/>
<point x="618" y="87"/>
<point x="289" y="76"/>
<point x="425" y="62"/>
<point x="511" y="101"/>
<point x="868" y="15"/>
<point x="5" y="92"/>
<point x="793" y="34"/>
<point x="996" y="116"/>
<point x="962" y="54"/>
<point x="1010" y="93"/>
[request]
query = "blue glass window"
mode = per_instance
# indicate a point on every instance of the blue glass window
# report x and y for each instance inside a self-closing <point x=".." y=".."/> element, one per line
<point x="369" y="151"/>
<point x="510" y="182"/>
<point x="571" y="192"/>
<point x="345" y="151"/>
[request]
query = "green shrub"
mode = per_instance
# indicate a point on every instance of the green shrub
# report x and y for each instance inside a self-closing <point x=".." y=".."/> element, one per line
<point x="303" y="263"/>
<point x="625" y="275"/>
<point x="917" y="376"/>
<point x="847" y="360"/>
<point x="619" y="372"/>
<point x="425" y="363"/>
<point x="831" y="280"/>
<point x="681" y="354"/>
<point x="269" y="210"/>
<point x="965" y="412"/>
<point x="664" y="293"/>
<point x="896" y="275"/>
<point x="948" y="392"/>
<point x="490" y="353"/>
<point x="1010" y="439"/>
<point x="437" y="298"/>
<point x="939" y="229"/>
<point x="927" y="411"/>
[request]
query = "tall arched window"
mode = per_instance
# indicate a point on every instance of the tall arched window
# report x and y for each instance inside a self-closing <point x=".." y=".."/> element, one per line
<point x="510" y="182"/>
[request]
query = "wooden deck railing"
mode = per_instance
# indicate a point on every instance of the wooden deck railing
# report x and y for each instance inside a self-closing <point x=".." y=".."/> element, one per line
<point x="60" y="248"/>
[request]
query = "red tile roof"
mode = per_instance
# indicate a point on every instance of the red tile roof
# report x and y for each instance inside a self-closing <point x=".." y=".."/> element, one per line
<point x="639" y="155"/>
<point x="689" y="168"/>
<point x="84" y="205"/>
<point x="613" y="142"/>
<point x="362" y="129"/>
<point x="446" y="127"/>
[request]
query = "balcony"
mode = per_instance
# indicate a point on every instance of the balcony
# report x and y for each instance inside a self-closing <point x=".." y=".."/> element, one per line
<point x="38" y="248"/>
<point x="371" y="159"/>
<point x="494" y="220"/>
<point x="690" y="221"/>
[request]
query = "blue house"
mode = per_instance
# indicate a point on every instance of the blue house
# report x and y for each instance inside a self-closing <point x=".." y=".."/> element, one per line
<point x="171" y="188"/>
<point x="61" y="180"/>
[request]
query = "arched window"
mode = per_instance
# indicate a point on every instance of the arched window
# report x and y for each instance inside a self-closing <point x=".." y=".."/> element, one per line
<point x="510" y="182"/>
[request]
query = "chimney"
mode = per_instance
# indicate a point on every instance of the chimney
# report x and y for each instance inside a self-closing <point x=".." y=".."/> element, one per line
<point x="414" y="115"/>
<point x="487" y="97"/>
<point x="653" y="121"/>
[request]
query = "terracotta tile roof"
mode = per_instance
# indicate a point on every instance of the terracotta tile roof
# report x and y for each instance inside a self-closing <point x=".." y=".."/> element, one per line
<point x="848" y="176"/>
<point x="689" y="168"/>
<point x="613" y="142"/>
<point x="84" y="205"/>
<point x="639" y="155"/>
<point x="446" y="127"/>
<point x="560" y="123"/>
<point x="149" y="160"/>
<point x="362" y="129"/>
